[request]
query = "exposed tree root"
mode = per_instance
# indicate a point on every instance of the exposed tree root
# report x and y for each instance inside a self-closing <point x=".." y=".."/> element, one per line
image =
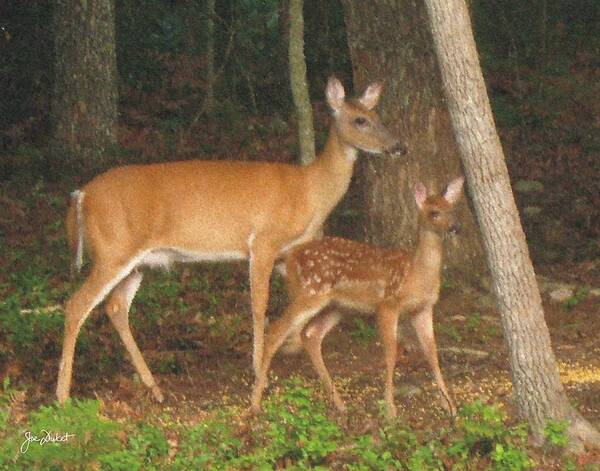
<point x="582" y="435"/>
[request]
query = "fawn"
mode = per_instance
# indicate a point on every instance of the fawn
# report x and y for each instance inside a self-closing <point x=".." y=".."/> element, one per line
<point x="387" y="282"/>
<point x="193" y="211"/>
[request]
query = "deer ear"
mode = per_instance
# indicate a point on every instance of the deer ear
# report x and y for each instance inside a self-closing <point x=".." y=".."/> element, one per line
<point x="370" y="98"/>
<point x="454" y="190"/>
<point x="420" y="194"/>
<point x="335" y="94"/>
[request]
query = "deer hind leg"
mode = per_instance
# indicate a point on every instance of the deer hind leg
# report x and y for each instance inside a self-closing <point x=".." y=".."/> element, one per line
<point x="295" y="317"/>
<point x="117" y="308"/>
<point x="312" y="340"/>
<point x="387" y="321"/>
<point x="99" y="283"/>
<point x="423" y="325"/>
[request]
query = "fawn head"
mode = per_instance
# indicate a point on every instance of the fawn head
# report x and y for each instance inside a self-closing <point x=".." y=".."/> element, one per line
<point x="437" y="212"/>
<point x="356" y="122"/>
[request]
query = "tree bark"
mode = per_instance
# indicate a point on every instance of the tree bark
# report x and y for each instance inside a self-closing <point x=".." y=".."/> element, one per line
<point x="210" y="56"/>
<point x="538" y="390"/>
<point x="84" y="102"/>
<point x="390" y="40"/>
<point x="306" y="134"/>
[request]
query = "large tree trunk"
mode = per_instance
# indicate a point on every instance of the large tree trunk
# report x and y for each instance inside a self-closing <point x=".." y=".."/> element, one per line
<point x="84" y="102"/>
<point x="538" y="391"/>
<point x="390" y="40"/>
<point x="306" y="134"/>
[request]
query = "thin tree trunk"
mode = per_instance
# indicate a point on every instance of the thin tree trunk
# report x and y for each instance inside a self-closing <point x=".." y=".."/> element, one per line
<point x="84" y="101"/>
<point x="390" y="41"/>
<point x="210" y="56"/>
<point x="306" y="134"/>
<point x="537" y="387"/>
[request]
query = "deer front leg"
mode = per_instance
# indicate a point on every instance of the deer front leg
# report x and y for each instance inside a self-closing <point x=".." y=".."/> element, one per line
<point x="387" y="321"/>
<point x="262" y="258"/>
<point x="117" y="309"/>
<point x="423" y="325"/>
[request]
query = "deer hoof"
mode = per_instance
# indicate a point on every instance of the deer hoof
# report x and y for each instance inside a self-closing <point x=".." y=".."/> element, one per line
<point x="391" y="412"/>
<point x="157" y="393"/>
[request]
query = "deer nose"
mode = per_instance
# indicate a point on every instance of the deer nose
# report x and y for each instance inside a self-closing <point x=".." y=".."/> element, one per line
<point x="398" y="149"/>
<point x="454" y="228"/>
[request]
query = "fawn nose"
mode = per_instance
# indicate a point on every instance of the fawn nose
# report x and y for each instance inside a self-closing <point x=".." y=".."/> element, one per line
<point x="454" y="228"/>
<point x="398" y="149"/>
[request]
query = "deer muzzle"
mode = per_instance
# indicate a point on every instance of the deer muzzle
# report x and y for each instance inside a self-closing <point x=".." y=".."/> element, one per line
<point x="454" y="228"/>
<point x="398" y="149"/>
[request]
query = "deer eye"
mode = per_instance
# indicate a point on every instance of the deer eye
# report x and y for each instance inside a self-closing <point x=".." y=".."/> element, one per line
<point x="360" y="121"/>
<point x="435" y="215"/>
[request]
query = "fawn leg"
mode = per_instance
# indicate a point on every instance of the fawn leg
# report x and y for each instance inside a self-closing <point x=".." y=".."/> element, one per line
<point x="298" y="313"/>
<point x="387" y="321"/>
<point x="99" y="283"/>
<point x="423" y="324"/>
<point x="312" y="339"/>
<point x="117" y="308"/>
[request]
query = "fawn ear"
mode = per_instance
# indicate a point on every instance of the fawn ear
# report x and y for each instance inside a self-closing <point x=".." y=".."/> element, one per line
<point x="370" y="98"/>
<point x="335" y="94"/>
<point x="420" y="194"/>
<point x="454" y="190"/>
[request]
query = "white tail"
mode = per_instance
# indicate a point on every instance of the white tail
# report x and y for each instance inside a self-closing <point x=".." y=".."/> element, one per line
<point x="154" y="215"/>
<point x="387" y="282"/>
<point x="77" y="203"/>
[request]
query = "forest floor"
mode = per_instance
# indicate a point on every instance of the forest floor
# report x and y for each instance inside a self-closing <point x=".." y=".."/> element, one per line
<point x="473" y="356"/>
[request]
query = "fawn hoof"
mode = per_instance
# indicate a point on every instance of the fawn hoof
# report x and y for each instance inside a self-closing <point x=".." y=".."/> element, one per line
<point x="451" y="409"/>
<point x="391" y="412"/>
<point x="157" y="393"/>
<point x="250" y="413"/>
<point x="342" y="418"/>
<point x="254" y="409"/>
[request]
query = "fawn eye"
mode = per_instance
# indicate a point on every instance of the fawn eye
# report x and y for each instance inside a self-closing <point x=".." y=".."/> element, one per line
<point x="435" y="215"/>
<point x="360" y="121"/>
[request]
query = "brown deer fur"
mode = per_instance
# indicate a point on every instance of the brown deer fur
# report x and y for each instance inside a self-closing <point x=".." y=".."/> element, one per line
<point x="154" y="215"/>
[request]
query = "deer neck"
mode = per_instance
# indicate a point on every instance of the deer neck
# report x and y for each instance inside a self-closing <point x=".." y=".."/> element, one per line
<point x="331" y="171"/>
<point x="427" y="260"/>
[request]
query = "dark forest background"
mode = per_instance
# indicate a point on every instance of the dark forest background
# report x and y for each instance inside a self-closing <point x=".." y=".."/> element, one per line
<point x="541" y="62"/>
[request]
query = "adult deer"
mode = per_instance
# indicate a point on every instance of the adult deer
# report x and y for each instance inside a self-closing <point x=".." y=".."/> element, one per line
<point x="387" y="282"/>
<point x="153" y="215"/>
